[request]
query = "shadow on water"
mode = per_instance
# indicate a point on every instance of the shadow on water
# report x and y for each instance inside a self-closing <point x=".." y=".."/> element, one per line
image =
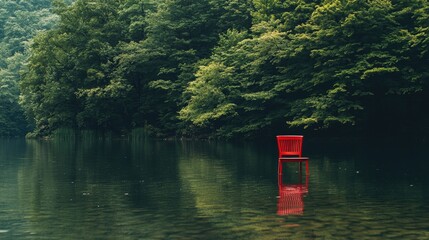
<point x="389" y="159"/>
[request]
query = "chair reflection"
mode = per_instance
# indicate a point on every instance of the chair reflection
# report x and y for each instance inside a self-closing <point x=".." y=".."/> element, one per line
<point x="291" y="198"/>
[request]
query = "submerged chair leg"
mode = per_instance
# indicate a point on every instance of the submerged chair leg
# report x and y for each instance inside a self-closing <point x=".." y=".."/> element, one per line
<point x="307" y="171"/>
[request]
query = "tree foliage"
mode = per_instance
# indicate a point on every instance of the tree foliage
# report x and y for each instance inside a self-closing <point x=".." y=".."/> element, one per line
<point x="19" y="22"/>
<point x="226" y="68"/>
<point x="114" y="65"/>
<point x="315" y="66"/>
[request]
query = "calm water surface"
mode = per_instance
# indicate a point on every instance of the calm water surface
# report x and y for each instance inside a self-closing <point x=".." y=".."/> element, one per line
<point x="146" y="189"/>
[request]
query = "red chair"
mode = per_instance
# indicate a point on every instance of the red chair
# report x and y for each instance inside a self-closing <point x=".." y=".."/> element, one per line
<point x="290" y="150"/>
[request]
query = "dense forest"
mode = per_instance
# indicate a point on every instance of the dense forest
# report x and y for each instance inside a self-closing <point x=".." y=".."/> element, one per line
<point x="19" y="22"/>
<point x="214" y="68"/>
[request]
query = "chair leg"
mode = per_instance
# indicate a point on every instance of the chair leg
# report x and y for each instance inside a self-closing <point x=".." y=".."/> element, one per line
<point x="306" y="181"/>
<point x="280" y="171"/>
<point x="307" y="171"/>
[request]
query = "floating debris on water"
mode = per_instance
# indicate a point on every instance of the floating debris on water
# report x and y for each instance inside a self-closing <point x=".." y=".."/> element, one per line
<point x="3" y="231"/>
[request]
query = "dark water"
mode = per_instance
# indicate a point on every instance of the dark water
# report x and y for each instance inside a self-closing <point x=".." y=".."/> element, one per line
<point x="145" y="189"/>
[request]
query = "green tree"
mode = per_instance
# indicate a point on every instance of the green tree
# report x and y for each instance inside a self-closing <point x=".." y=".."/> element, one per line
<point x="12" y="121"/>
<point x="69" y="81"/>
<point x="19" y="22"/>
<point x="218" y="67"/>
<point x="314" y="65"/>
<point x="178" y="35"/>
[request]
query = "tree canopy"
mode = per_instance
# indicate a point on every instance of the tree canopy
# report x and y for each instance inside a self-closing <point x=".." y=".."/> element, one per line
<point x="216" y="68"/>
<point x="315" y="65"/>
<point x="19" y="22"/>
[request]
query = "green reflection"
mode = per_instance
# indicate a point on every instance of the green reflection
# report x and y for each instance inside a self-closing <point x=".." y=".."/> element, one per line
<point x="146" y="189"/>
<point x="94" y="188"/>
<point x="11" y="156"/>
<point x="226" y="195"/>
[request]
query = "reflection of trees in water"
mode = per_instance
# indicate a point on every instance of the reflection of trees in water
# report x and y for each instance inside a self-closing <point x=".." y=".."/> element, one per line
<point x="360" y="192"/>
<point x="149" y="189"/>
<point x="95" y="189"/>
<point x="11" y="155"/>
<point x="177" y="189"/>
<point x="231" y="206"/>
<point x="364" y="170"/>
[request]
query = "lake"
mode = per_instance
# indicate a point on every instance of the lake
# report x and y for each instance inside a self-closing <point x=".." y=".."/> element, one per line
<point x="153" y="189"/>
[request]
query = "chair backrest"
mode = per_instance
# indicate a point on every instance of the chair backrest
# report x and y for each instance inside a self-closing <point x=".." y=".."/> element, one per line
<point x="290" y="145"/>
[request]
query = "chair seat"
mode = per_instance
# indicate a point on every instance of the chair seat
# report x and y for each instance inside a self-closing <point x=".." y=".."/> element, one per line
<point x="293" y="158"/>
